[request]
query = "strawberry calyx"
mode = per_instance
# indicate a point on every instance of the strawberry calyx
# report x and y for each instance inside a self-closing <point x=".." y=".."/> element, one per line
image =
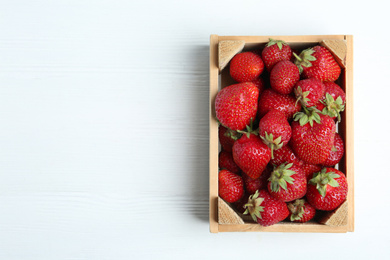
<point x="301" y="96"/>
<point x="333" y="107"/>
<point x="279" y="43"/>
<point x="249" y="130"/>
<point x="281" y="176"/>
<point x="273" y="144"/>
<point x="322" y="179"/>
<point x="297" y="209"/>
<point x="304" y="59"/>
<point x="232" y="134"/>
<point x="253" y="206"/>
<point x="308" y="115"/>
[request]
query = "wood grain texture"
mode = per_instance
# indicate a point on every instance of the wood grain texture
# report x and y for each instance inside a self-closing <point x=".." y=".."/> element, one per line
<point x="227" y="50"/>
<point x="338" y="217"/>
<point x="226" y="215"/>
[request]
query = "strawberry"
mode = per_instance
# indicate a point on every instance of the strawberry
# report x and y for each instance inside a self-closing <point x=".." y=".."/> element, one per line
<point x="308" y="168"/>
<point x="333" y="100"/>
<point x="284" y="76"/>
<point x="265" y="209"/>
<point x="270" y="99"/>
<point x="252" y="185"/>
<point x="227" y="138"/>
<point x="275" y="130"/>
<point x="275" y="51"/>
<point x="309" y="91"/>
<point x="230" y="186"/>
<point x="326" y="190"/>
<point x="246" y="66"/>
<point x="236" y="105"/>
<point x="287" y="182"/>
<point x="301" y="211"/>
<point x="312" y="142"/>
<point x="251" y="155"/>
<point x="260" y="84"/>
<point x="336" y="153"/>
<point x="285" y="154"/>
<point x="225" y="161"/>
<point x="239" y="204"/>
<point x="318" y="62"/>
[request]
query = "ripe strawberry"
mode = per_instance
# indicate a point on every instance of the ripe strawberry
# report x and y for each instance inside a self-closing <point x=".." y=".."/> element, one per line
<point x="265" y="209"/>
<point x="236" y="105"/>
<point x="251" y="155"/>
<point x="227" y="138"/>
<point x="275" y="130"/>
<point x="336" y="153"/>
<point x="260" y="84"/>
<point x="285" y="155"/>
<point x="230" y="185"/>
<point x="284" y="76"/>
<point x="246" y="66"/>
<point x="326" y="190"/>
<point x="274" y="52"/>
<point x="252" y="185"/>
<point x="270" y="99"/>
<point x="309" y="91"/>
<point x="333" y="100"/>
<point x="287" y="182"/>
<point x="301" y="211"/>
<point x="225" y="161"/>
<point x="239" y="204"/>
<point x="312" y="142"/>
<point x="308" y="169"/>
<point x="318" y="62"/>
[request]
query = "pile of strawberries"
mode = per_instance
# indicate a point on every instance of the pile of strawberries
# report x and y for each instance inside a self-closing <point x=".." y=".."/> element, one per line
<point x="278" y="134"/>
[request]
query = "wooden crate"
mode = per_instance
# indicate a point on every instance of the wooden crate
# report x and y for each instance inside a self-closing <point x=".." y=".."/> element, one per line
<point x="341" y="221"/>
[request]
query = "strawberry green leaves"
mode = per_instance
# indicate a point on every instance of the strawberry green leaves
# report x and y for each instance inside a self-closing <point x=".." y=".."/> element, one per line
<point x="253" y="206"/>
<point x="276" y="144"/>
<point x="304" y="59"/>
<point x="297" y="209"/>
<point x="308" y="116"/>
<point x="333" y="107"/>
<point x="322" y="179"/>
<point x="279" y="43"/>
<point x="281" y="176"/>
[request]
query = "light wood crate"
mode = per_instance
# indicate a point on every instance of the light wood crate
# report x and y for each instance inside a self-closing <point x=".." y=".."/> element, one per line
<point x="342" y="48"/>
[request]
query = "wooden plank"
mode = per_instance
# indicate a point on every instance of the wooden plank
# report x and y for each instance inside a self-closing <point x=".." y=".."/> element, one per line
<point x="339" y="217"/>
<point x="349" y="140"/>
<point x="213" y="143"/>
<point x="300" y="39"/>
<point x="283" y="227"/>
<point x="227" y="50"/>
<point x="338" y="48"/>
<point x="226" y="215"/>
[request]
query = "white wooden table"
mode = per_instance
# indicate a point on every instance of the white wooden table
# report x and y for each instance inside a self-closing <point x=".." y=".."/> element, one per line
<point x="104" y="128"/>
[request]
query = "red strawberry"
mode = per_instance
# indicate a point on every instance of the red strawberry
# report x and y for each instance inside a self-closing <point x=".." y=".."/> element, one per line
<point x="309" y="91"/>
<point x="270" y="99"/>
<point x="284" y="76"/>
<point x="252" y="185"/>
<point x="246" y="66"/>
<point x="287" y="182"/>
<point x="251" y="155"/>
<point x="260" y="84"/>
<point x="274" y="52"/>
<point x="318" y="62"/>
<point x="275" y="130"/>
<point x="265" y="209"/>
<point x="308" y="169"/>
<point x="230" y="185"/>
<point x="312" y="142"/>
<point x="327" y="189"/>
<point x="227" y="137"/>
<point x="236" y="105"/>
<point x="333" y="100"/>
<point x="336" y="153"/>
<point x="301" y="211"/>
<point x="239" y="204"/>
<point x="285" y="154"/>
<point x="225" y="161"/>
